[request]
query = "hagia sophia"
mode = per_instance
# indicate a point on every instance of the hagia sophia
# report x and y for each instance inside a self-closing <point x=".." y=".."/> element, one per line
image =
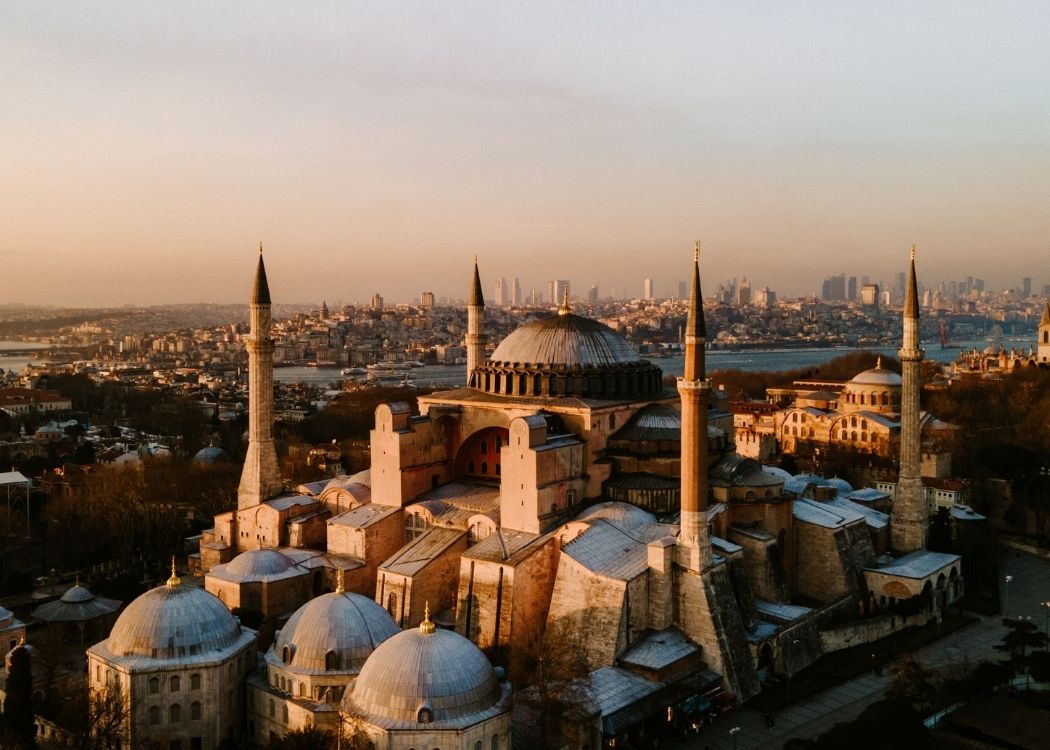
<point x="561" y="499"/>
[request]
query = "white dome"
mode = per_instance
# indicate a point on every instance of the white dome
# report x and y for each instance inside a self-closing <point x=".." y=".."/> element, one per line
<point x="423" y="675"/>
<point x="348" y="626"/>
<point x="77" y="594"/>
<point x="259" y="563"/>
<point x="877" y="376"/>
<point x="172" y="621"/>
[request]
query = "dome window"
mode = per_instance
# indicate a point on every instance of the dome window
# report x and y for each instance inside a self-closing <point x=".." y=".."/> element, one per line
<point x="286" y="655"/>
<point x="331" y="661"/>
<point x="425" y="715"/>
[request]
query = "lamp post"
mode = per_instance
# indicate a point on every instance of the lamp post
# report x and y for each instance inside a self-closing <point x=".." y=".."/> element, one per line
<point x="733" y="733"/>
<point x="1046" y="612"/>
<point x="1006" y="596"/>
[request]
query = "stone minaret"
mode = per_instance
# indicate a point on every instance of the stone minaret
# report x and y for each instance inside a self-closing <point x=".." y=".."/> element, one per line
<point x="694" y="390"/>
<point x="1043" y="349"/>
<point x="260" y="478"/>
<point x="910" y="514"/>
<point x="476" y="338"/>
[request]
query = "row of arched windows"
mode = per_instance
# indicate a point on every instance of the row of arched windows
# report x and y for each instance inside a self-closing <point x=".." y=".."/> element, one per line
<point x="174" y="713"/>
<point x="174" y="683"/>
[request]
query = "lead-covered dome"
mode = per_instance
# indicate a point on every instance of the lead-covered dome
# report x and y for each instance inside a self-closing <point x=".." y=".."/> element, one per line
<point x="424" y="675"/>
<point x="877" y="376"/>
<point x="567" y="355"/>
<point x="333" y="632"/>
<point x="173" y="621"/>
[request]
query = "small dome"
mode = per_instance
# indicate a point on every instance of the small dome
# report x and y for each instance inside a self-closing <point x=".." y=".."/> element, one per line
<point x="568" y="340"/>
<point x="76" y="595"/>
<point x="334" y="632"/>
<point x="210" y="455"/>
<point x="776" y="471"/>
<point x="877" y="376"/>
<point x="841" y="485"/>
<point x="422" y="675"/>
<point x="259" y="563"/>
<point x="171" y="621"/>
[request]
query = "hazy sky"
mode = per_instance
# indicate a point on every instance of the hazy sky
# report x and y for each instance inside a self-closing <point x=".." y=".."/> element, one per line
<point x="147" y="147"/>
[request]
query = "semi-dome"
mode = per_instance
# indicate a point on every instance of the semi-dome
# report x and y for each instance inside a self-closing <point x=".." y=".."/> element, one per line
<point x="567" y="355"/>
<point x="624" y="515"/>
<point x="333" y="632"/>
<point x="173" y="621"/>
<point x="423" y="675"/>
<point x="258" y="564"/>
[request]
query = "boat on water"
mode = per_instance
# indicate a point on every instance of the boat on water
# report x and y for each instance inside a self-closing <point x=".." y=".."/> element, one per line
<point x="354" y="371"/>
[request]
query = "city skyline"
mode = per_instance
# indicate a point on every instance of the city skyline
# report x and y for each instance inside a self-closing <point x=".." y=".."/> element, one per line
<point x="149" y="149"/>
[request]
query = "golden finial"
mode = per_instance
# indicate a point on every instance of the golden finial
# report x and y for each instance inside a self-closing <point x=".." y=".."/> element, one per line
<point x="76" y="582"/>
<point x="174" y="580"/>
<point x="696" y="252"/>
<point x="339" y="589"/>
<point x="878" y="363"/>
<point x="913" y="252"/>
<point x="565" y="309"/>
<point x="426" y="627"/>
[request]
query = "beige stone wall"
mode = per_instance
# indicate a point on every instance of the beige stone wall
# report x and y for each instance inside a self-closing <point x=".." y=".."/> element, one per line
<point x="407" y="457"/>
<point x="587" y="613"/>
<point x="435" y="584"/>
<point x="830" y="562"/>
<point x="445" y="739"/>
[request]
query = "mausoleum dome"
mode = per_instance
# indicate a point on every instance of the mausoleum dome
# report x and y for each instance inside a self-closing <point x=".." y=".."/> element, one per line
<point x="423" y="675"/>
<point x="259" y="563"/>
<point x="333" y="632"/>
<point x="173" y="621"/>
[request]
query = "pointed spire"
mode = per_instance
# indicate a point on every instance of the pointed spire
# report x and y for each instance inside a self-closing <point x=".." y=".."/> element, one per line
<point x="427" y="627"/>
<point x="261" y="289"/>
<point x="477" y="299"/>
<point x="695" y="324"/>
<point x="1045" y="321"/>
<point x="911" y="297"/>
<point x="339" y="587"/>
<point x="174" y="580"/>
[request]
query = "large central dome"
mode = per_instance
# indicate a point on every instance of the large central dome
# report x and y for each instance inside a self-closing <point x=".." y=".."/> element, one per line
<point x="567" y="355"/>
<point x="565" y="340"/>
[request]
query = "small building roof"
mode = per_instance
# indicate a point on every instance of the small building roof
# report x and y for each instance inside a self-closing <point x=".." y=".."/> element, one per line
<point x="922" y="563"/>
<point x="421" y="551"/>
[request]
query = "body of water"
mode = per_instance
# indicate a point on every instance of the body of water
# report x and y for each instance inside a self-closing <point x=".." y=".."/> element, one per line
<point x="450" y="376"/>
<point x="17" y="362"/>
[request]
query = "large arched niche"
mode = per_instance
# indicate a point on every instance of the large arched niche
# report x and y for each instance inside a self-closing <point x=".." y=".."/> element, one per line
<point x="479" y="454"/>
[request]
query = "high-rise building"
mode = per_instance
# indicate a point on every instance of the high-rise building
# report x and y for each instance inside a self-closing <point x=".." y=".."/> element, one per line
<point x="559" y="290"/>
<point x="648" y="290"/>
<point x="500" y="297"/>
<point x="377" y="301"/>
<point x="765" y="298"/>
<point x="426" y="300"/>
<point x="869" y="296"/>
<point x="851" y="289"/>
<point x="515" y="298"/>
<point x="743" y="294"/>
<point x="592" y="293"/>
<point x="1026" y="287"/>
<point x="834" y="288"/>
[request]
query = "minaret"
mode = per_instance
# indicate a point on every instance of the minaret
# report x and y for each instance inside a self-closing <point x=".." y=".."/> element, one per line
<point x="694" y="390"/>
<point x="1043" y="348"/>
<point x="910" y="515"/>
<point x="476" y="338"/>
<point x="260" y="478"/>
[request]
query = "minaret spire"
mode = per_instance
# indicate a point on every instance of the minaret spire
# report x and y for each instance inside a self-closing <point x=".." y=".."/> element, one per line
<point x="475" y="339"/>
<point x="910" y="515"/>
<point x="694" y="391"/>
<point x="260" y="477"/>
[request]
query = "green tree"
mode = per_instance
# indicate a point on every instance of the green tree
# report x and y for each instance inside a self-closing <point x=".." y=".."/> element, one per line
<point x="309" y="738"/>
<point x="1022" y="637"/>
<point x="18" y="702"/>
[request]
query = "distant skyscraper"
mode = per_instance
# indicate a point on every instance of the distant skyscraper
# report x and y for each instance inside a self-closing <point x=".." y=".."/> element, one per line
<point x="869" y="296"/>
<point x="834" y="288"/>
<point x="500" y="297"/>
<point x="743" y="293"/>
<point x="592" y="293"/>
<point x="898" y="290"/>
<point x="426" y="300"/>
<point x="1026" y="286"/>
<point x="851" y="289"/>
<point x="558" y="289"/>
<point x="377" y="301"/>
<point x="515" y="298"/>
<point x="765" y="298"/>
<point x="647" y="291"/>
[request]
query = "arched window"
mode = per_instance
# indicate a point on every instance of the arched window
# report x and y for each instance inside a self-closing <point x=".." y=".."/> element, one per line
<point x="175" y="713"/>
<point x="425" y="715"/>
<point x="391" y="605"/>
<point x="485" y="467"/>
<point x="272" y="713"/>
<point x="495" y="742"/>
<point x="195" y="710"/>
<point x="284" y="713"/>
<point x="154" y="715"/>
<point x="331" y="661"/>
<point x="470" y="467"/>
<point x="154" y="685"/>
<point x="477" y="745"/>
<point x="195" y="682"/>
<point x="864" y="424"/>
<point x="286" y="654"/>
<point x="175" y="683"/>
